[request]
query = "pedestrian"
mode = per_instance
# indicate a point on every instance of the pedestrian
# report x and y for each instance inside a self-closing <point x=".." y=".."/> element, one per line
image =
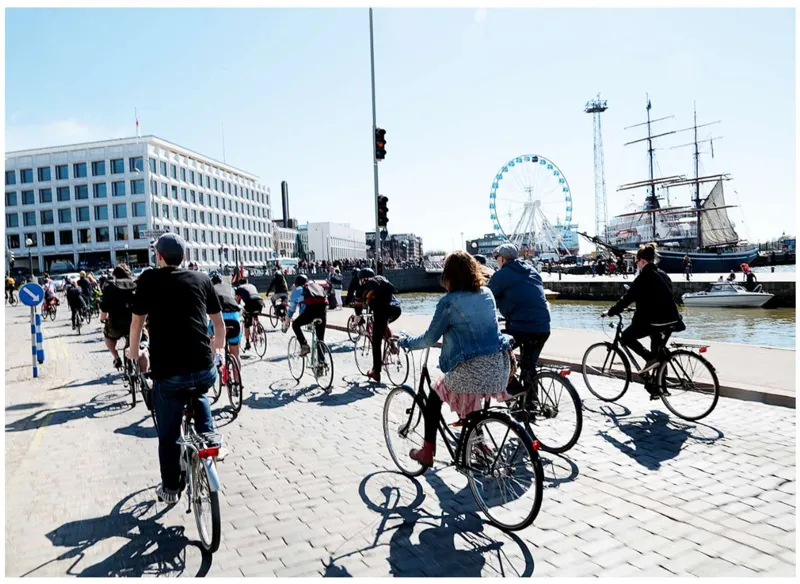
<point x="687" y="266"/>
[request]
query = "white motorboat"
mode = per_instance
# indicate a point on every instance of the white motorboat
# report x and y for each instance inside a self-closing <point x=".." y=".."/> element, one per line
<point x="727" y="295"/>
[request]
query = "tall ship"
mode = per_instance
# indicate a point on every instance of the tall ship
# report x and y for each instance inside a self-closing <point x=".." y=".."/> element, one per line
<point x="701" y="230"/>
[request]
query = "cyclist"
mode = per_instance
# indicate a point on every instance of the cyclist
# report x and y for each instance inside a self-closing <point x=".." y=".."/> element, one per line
<point x="655" y="308"/>
<point x="176" y="302"/>
<point x="10" y="286"/>
<point x="379" y="296"/>
<point x="116" y="309"/>
<point x="281" y="294"/>
<point x="75" y="301"/>
<point x="474" y="357"/>
<point x="86" y="286"/>
<point x="49" y="292"/>
<point x="519" y="293"/>
<point x="311" y="298"/>
<point x="253" y="306"/>
<point x="231" y="316"/>
<point x="354" y="293"/>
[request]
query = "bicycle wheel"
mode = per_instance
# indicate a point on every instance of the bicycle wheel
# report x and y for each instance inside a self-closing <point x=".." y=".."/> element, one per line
<point x="235" y="388"/>
<point x="78" y="323"/>
<point x="396" y="365"/>
<point x="353" y="330"/>
<point x="215" y="391"/>
<point x="403" y="429"/>
<point x="132" y="373"/>
<point x="297" y="364"/>
<point x="608" y="362"/>
<point x="324" y="372"/>
<point x="363" y="354"/>
<point x="87" y="314"/>
<point x="53" y="311"/>
<point x="504" y="472"/>
<point x="689" y="385"/>
<point x="260" y="339"/>
<point x="555" y="417"/>
<point x="13" y="300"/>
<point x="205" y="506"/>
<point x="273" y="316"/>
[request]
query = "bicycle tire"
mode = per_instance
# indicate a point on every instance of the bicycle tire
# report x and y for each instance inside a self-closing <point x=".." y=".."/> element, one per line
<point x="260" y="340"/>
<point x="474" y="437"/>
<point x="397" y="366"/>
<point x="669" y="394"/>
<point x="414" y="422"/>
<point x="620" y="356"/>
<point x="53" y="311"/>
<point x="133" y="378"/>
<point x="13" y="300"/>
<point x="546" y="443"/>
<point x="210" y="541"/>
<point x="353" y="331"/>
<point x="323" y="348"/>
<point x="216" y="389"/>
<point x="273" y="317"/>
<point x="235" y="388"/>
<point x="88" y="315"/>
<point x="293" y="356"/>
<point x="363" y="354"/>
<point x="78" y="323"/>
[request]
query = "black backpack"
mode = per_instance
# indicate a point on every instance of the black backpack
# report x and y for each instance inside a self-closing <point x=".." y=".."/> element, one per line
<point x="118" y="303"/>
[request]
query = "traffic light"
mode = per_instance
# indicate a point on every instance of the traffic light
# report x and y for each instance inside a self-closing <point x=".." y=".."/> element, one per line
<point x="11" y="260"/>
<point x="380" y="144"/>
<point x="383" y="211"/>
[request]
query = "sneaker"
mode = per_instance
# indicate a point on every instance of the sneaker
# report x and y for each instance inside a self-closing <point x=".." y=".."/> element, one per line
<point x="247" y="346"/>
<point x="304" y="350"/>
<point x="117" y="363"/>
<point x="167" y="496"/>
<point x="223" y="453"/>
<point x="649" y="366"/>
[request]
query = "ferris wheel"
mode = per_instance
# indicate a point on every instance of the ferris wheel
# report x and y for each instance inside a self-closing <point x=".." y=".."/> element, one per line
<point x="528" y="199"/>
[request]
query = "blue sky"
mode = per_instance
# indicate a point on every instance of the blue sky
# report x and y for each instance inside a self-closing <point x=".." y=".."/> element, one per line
<point x="459" y="91"/>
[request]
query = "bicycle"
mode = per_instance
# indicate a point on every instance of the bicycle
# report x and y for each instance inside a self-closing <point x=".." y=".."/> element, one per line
<point x="395" y="360"/>
<point x="277" y="312"/>
<point x="49" y="310"/>
<point x="94" y="305"/>
<point x="612" y="361"/>
<point x="357" y="326"/>
<point x="199" y="477"/>
<point x="258" y="335"/>
<point x="133" y="376"/>
<point x="475" y="453"/>
<point x="11" y="298"/>
<point x="78" y="318"/>
<point x="229" y="375"/>
<point x="320" y="358"/>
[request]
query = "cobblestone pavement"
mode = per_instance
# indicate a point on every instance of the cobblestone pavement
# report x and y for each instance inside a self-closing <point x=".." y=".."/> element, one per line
<point x="309" y="487"/>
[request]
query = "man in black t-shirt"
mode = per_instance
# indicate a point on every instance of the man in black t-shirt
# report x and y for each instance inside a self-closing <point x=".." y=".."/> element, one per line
<point x="176" y="303"/>
<point x="253" y="305"/>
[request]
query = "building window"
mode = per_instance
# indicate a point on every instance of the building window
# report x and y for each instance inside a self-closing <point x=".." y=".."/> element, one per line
<point x="174" y="190"/>
<point x="11" y="199"/>
<point x="33" y="238"/>
<point x="155" y="209"/>
<point x="101" y="234"/>
<point x="46" y="217"/>
<point x="165" y="211"/>
<point x="173" y="171"/>
<point x="44" y="173"/>
<point x="79" y="170"/>
<point x="26" y="175"/>
<point x="81" y="192"/>
<point x="203" y="235"/>
<point x="186" y="233"/>
<point x="163" y="166"/>
<point x="194" y="216"/>
<point x="62" y="172"/>
<point x="164" y="190"/>
<point x="137" y="186"/>
<point x="194" y="234"/>
<point x="191" y="176"/>
<point x="82" y="214"/>
<point x="216" y="185"/>
<point x="45" y="195"/>
<point x="28" y="198"/>
<point x="100" y="190"/>
<point x="85" y="235"/>
<point x="136" y="164"/>
<point x="175" y="213"/>
<point x="137" y="231"/>
<point x="99" y="168"/>
<point x="11" y="177"/>
<point x="62" y="194"/>
<point x="101" y="213"/>
<point x="49" y="238"/>
<point x="118" y="188"/>
<point x="183" y="174"/>
<point x="13" y="241"/>
<point x="65" y="237"/>
<point x="183" y="194"/>
<point x="29" y="218"/>
<point x="208" y="182"/>
<point x="153" y="188"/>
<point x="138" y="209"/>
<point x="120" y="211"/>
<point x="120" y="232"/>
<point x="185" y="214"/>
<point x="12" y="220"/>
<point x="153" y="165"/>
<point x="200" y="196"/>
<point x="193" y="197"/>
<point x="118" y="166"/>
<point x="199" y="179"/>
<point x="65" y="215"/>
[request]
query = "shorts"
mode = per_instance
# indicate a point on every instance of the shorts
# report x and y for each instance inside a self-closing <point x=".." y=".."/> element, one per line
<point x="233" y="327"/>
<point x="252" y="307"/>
<point x="115" y="333"/>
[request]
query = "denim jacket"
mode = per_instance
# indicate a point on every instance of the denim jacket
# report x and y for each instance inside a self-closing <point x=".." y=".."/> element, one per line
<point x="295" y="299"/>
<point x="468" y="322"/>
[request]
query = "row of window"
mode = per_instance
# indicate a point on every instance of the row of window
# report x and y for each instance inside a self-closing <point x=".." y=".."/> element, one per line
<point x="199" y="179"/>
<point x="82" y="214"/>
<point x="80" y="192"/>
<point x="184" y="213"/>
<point x="79" y="170"/>
<point x="189" y="195"/>
<point x="221" y="237"/>
<point x="84" y="236"/>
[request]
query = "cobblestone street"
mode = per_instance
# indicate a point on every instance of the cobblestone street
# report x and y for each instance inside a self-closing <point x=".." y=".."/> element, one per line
<point x="309" y="487"/>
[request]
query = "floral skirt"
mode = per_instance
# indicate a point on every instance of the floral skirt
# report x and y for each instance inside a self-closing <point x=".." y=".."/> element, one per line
<point x="466" y="387"/>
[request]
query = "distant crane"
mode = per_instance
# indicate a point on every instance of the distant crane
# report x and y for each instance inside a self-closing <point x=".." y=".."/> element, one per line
<point x="597" y="107"/>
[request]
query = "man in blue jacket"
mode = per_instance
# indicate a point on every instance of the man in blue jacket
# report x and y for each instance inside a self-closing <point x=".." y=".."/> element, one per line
<point x="519" y="294"/>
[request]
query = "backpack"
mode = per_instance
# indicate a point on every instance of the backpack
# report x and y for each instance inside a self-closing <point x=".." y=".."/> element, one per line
<point x="313" y="294"/>
<point x="119" y="302"/>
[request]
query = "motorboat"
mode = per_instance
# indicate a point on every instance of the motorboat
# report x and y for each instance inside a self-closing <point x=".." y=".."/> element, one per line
<point x="550" y="294"/>
<point x="727" y="295"/>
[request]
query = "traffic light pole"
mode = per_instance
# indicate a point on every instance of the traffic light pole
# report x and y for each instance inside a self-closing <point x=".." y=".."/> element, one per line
<point x="378" y="263"/>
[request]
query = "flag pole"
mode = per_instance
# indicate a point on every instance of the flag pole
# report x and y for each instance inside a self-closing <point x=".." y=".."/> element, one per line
<point x="136" y="115"/>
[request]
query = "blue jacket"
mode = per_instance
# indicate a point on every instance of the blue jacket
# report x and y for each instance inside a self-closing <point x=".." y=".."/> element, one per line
<point x="295" y="298"/>
<point x="468" y="322"/>
<point x="519" y="292"/>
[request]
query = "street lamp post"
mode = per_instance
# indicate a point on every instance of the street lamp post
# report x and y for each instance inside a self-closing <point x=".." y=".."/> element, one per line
<point x="29" y="243"/>
<point x="126" y="254"/>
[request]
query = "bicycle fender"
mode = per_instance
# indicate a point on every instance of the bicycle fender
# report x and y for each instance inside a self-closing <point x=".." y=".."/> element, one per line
<point x="213" y="477"/>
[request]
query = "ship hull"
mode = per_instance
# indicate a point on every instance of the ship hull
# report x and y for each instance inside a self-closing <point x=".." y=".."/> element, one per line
<point x="706" y="262"/>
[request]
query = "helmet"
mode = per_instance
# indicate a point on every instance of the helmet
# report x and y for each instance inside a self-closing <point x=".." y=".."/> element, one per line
<point x="216" y="278"/>
<point x="301" y="280"/>
<point x="366" y="273"/>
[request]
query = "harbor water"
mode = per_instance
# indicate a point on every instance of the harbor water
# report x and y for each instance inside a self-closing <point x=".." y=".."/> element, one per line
<point x="754" y="326"/>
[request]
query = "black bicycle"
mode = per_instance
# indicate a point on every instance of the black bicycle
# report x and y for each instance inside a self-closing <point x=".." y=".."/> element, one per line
<point x="684" y="380"/>
<point x="11" y="298"/>
<point x="496" y="454"/>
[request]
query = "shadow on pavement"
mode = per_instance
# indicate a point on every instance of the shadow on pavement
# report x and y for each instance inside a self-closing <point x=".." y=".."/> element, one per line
<point x="453" y="544"/>
<point x="107" y="379"/>
<point x="143" y="428"/>
<point x="151" y="548"/>
<point x="101" y="406"/>
<point x="558" y="469"/>
<point x="27" y="406"/>
<point x="355" y="392"/>
<point x="284" y="392"/>
<point x="657" y="438"/>
<point x="608" y="409"/>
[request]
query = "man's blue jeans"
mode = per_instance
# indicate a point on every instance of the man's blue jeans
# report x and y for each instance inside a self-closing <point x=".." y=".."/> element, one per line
<point x="170" y="396"/>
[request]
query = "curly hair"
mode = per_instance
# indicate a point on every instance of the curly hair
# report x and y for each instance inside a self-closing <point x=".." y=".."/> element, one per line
<point x="461" y="273"/>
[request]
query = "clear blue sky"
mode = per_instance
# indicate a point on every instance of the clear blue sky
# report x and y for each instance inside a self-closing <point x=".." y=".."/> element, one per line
<point x="460" y="92"/>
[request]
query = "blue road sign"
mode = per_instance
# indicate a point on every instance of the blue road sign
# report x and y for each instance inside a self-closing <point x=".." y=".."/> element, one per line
<point x="31" y="294"/>
<point x="274" y="254"/>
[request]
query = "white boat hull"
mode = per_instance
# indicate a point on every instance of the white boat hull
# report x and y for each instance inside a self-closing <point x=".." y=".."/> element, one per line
<point x="740" y="300"/>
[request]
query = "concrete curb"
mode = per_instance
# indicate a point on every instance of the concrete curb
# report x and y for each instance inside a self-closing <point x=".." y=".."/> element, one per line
<point x="763" y="395"/>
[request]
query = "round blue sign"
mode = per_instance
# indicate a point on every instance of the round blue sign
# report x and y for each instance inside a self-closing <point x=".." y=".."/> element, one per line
<point x="31" y="294"/>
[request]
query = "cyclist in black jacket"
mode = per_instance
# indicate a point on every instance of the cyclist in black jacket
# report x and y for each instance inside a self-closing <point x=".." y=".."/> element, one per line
<point x="655" y="307"/>
<point x="281" y="289"/>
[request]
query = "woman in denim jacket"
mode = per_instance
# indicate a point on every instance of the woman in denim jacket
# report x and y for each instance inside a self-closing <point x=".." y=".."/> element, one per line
<point x="474" y="356"/>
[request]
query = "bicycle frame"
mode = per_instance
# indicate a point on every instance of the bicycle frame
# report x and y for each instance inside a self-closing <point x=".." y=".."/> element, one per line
<point x="191" y="442"/>
<point x="313" y="361"/>
<point x="662" y="349"/>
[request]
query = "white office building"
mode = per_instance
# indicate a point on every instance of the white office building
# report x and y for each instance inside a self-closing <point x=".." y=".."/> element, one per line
<point x="94" y="203"/>
<point x="336" y="241"/>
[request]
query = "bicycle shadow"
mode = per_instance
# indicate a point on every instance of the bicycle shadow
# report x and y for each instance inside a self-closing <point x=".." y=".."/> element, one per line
<point x="557" y="469"/>
<point x="603" y="408"/>
<point x="284" y="392"/>
<point x="656" y="438"/>
<point x="99" y="406"/>
<point x="107" y="379"/>
<point x="27" y="406"/>
<point x="355" y="392"/>
<point x="151" y="549"/>
<point x="139" y="429"/>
